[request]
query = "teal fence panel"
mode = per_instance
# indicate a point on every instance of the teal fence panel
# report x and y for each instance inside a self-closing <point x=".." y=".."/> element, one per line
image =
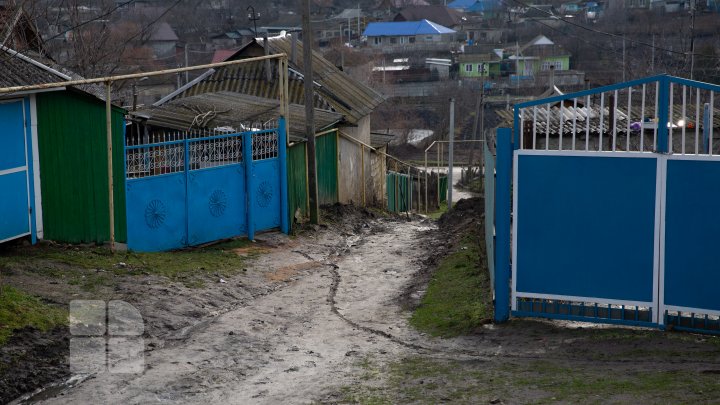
<point x="443" y="187"/>
<point x="489" y="196"/>
<point x="399" y="192"/>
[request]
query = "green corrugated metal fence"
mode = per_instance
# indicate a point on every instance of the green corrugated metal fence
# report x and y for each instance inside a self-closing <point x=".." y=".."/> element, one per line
<point x="297" y="180"/>
<point x="73" y="168"/>
<point x="326" y="152"/>
<point x="327" y="167"/>
<point x="443" y="188"/>
<point x="399" y="191"/>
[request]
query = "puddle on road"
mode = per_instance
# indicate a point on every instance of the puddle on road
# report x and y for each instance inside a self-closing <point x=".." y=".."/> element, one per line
<point x="51" y="391"/>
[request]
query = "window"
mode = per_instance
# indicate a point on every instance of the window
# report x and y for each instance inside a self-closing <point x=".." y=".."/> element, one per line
<point x="557" y="65"/>
<point x="403" y="40"/>
<point x="377" y="40"/>
<point x="480" y="68"/>
<point x="393" y="40"/>
<point x="469" y="67"/>
<point x="412" y="40"/>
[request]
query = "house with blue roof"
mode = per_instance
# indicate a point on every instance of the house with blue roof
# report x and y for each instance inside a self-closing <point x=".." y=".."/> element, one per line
<point x="381" y="34"/>
<point x="488" y="8"/>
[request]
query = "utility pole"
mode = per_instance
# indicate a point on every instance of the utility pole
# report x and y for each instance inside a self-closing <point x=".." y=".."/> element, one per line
<point x="187" y="73"/>
<point x="450" y="153"/>
<point x="623" y="74"/>
<point x="652" y="61"/>
<point x="309" y="113"/>
<point x="693" y="6"/>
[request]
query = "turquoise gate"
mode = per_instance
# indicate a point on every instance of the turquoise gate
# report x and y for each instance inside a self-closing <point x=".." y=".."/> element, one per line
<point x="16" y="176"/>
<point x="612" y="207"/>
<point x="193" y="188"/>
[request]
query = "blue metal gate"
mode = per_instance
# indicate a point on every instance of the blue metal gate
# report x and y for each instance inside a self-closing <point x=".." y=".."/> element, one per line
<point x="198" y="188"/>
<point x="614" y="191"/>
<point x="15" y="178"/>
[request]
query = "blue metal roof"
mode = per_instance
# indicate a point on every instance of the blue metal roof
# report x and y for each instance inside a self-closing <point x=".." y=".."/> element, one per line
<point x="391" y="29"/>
<point x="461" y="4"/>
<point x="474" y="5"/>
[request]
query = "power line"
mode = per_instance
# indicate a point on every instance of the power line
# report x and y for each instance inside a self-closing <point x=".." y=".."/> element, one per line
<point x="114" y="9"/>
<point x="144" y="30"/>
<point x="610" y="34"/>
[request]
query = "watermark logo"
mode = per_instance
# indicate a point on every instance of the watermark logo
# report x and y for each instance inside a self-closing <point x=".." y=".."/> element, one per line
<point x="106" y="337"/>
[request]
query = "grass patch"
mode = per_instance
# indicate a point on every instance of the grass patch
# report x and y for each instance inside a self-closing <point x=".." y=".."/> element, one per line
<point x="72" y="263"/>
<point x="437" y="214"/>
<point x="458" y="297"/>
<point x="475" y="186"/>
<point x="588" y="385"/>
<point x="18" y="310"/>
<point x="426" y="380"/>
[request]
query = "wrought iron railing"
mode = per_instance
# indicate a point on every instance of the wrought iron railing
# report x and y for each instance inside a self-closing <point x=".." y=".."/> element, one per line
<point x="174" y="152"/>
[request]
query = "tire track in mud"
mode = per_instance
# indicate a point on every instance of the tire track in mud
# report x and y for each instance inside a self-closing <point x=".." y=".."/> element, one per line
<point x="333" y="306"/>
<point x="458" y="353"/>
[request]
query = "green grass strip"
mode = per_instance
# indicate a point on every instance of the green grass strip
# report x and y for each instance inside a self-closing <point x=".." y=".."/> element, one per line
<point x="18" y="310"/>
<point x="458" y="298"/>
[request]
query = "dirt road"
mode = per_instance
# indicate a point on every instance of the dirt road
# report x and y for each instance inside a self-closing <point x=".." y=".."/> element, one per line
<point x="294" y="344"/>
<point x="331" y="327"/>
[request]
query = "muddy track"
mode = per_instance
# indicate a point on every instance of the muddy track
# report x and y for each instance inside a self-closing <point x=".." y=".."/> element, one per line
<point x="336" y="304"/>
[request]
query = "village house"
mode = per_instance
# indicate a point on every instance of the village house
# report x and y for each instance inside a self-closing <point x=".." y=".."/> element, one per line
<point x="423" y="34"/>
<point x="539" y="62"/>
<point x="493" y="65"/>
<point x="245" y="96"/>
<point x="343" y="27"/>
<point x="540" y="54"/>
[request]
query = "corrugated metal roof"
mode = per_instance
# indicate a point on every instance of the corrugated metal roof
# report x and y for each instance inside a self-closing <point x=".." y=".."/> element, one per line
<point x="229" y="109"/>
<point x="335" y="89"/>
<point x="221" y="55"/>
<point x="349" y="13"/>
<point x="396" y="28"/>
<point x="250" y="79"/>
<point x="582" y="113"/>
<point x="348" y="96"/>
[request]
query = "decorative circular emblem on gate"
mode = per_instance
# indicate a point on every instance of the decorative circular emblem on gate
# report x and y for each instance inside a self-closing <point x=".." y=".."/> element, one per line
<point x="155" y="214"/>
<point x="264" y="194"/>
<point x="218" y="202"/>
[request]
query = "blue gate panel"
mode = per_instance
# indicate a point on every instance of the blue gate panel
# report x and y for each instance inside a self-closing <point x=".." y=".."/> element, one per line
<point x="156" y="213"/>
<point x="12" y="135"/>
<point x="586" y="226"/>
<point x="217" y="202"/>
<point x="265" y="194"/>
<point x="692" y="226"/>
<point x="14" y="214"/>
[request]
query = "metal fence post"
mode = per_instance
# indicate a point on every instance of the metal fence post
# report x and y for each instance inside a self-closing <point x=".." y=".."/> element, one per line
<point x="662" y="124"/>
<point x="282" y="155"/>
<point x="502" y="223"/>
<point x="186" y="163"/>
<point x="451" y="136"/>
<point x="249" y="189"/>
